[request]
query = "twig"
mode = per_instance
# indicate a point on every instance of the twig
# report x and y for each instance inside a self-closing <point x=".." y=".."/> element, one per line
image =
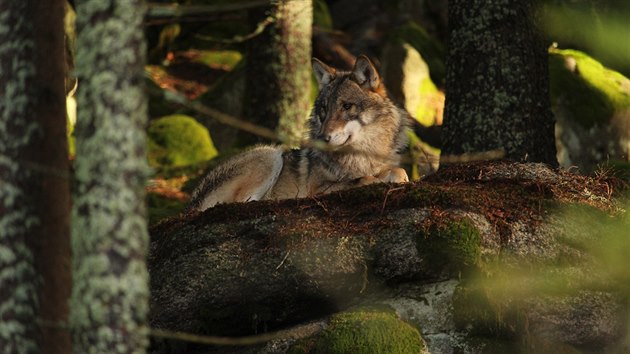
<point x="155" y="10"/>
<point x="260" y="27"/>
<point x="387" y="195"/>
<point x="270" y="134"/>
<point x="283" y="259"/>
<point x="297" y="332"/>
<point x="221" y="117"/>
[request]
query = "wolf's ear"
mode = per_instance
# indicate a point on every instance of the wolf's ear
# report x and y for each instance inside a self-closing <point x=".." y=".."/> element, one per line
<point x="364" y="73"/>
<point x="323" y="73"/>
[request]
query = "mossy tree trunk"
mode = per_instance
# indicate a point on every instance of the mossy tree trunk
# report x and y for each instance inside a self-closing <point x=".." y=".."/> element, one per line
<point x="279" y="70"/>
<point x="34" y="186"/>
<point x="109" y="230"/>
<point x="497" y="85"/>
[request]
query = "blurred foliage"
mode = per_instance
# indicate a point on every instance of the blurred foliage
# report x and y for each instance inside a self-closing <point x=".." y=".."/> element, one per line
<point x="589" y="260"/>
<point x="599" y="27"/>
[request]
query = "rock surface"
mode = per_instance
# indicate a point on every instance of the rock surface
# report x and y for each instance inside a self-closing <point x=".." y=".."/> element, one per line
<point x="477" y="257"/>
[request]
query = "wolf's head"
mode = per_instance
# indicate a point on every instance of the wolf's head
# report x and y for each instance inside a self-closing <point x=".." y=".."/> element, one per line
<point x="352" y="108"/>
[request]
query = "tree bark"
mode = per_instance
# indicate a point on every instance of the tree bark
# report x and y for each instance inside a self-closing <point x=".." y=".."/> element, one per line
<point x="497" y="85"/>
<point x="109" y="236"/>
<point x="244" y="268"/>
<point x="34" y="185"/>
<point x="279" y="70"/>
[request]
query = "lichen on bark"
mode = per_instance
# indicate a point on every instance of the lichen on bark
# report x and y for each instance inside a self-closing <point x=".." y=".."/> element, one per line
<point x="497" y="82"/>
<point x="109" y="236"/>
<point x="279" y="70"/>
<point x="18" y="278"/>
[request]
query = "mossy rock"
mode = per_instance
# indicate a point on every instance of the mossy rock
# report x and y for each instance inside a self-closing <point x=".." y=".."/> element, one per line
<point x="364" y="331"/>
<point x="431" y="50"/>
<point x="592" y="108"/>
<point x="591" y="92"/>
<point x="178" y="140"/>
<point x="454" y="246"/>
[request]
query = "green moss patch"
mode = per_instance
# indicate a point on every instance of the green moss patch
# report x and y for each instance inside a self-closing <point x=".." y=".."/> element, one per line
<point x="364" y="331"/>
<point x="219" y="59"/>
<point x="178" y="140"/>
<point x="454" y="245"/>
<point x="589" y="91"/>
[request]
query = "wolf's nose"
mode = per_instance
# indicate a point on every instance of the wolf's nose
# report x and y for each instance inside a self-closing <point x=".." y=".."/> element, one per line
<point x="324" y="137"/>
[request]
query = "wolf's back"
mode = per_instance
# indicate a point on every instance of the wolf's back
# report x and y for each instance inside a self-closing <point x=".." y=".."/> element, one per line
<point x="244" y="177"/>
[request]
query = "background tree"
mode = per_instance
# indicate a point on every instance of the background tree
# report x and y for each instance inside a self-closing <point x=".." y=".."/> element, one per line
<point x="279" y="68"/>
<point x="34" y="188"/>
<point x="497" y="84"/>
<point x="109" y="231"/>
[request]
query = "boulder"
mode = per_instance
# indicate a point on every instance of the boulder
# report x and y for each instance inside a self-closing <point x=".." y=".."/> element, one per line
<point x="178" y="140"/>
<point x="592" y="108"/>
<point x="478" y="258"/>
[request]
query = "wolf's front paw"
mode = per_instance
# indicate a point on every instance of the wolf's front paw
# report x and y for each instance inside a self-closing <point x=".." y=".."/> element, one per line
<point x="394" y="175"/>
<point x="364" y="181"/>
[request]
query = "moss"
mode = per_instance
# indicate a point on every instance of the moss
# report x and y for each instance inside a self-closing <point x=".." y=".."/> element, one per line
<point x="431" y="50"/>
<point x="589" y="91"/>
<point x="454" y="245"/>
<point x="178" y="140"/>
<point x="220" y="59"/>
<point x="364" y="331"/>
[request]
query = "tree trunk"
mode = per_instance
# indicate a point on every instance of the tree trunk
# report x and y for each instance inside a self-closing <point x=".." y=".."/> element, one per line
<point x="497" y="86"/>
<point x="109" y="237"/>
<point x="248" y="268"/>
<point x="279" y="70"/>
<point x="34" y="185"/>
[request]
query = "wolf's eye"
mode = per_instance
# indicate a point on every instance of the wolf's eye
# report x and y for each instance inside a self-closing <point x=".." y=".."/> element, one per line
<point x="322" y="115"/>
<point x="346" y="106"/>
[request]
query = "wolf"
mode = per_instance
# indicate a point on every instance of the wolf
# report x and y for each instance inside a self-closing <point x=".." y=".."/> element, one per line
<point x="363" y="131"/>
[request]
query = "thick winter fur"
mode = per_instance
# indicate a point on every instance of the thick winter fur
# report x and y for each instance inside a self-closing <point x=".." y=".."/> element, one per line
<point x="353" y="114"/>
